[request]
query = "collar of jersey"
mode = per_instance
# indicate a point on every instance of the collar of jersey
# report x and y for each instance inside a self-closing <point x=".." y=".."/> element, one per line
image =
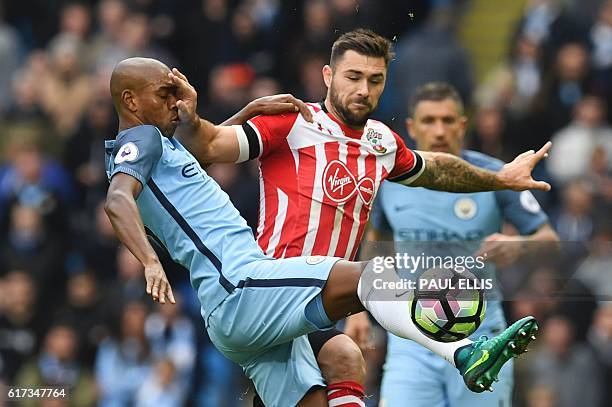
<point x="349" y="132"/>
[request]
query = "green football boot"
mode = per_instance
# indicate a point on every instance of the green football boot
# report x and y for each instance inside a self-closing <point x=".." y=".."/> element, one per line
<point x="480" y="362"/>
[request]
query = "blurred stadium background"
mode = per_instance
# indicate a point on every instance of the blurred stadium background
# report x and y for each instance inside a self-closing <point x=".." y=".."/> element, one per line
<point x="72" y="304"/>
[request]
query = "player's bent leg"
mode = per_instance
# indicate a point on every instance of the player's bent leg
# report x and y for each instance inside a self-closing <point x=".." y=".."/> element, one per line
<point x="342" y="365"/>
<point x="340" y="360"/>
<point x="380" y="291"/>
<point x="287" y="374"/>
<point x="316" y="397"/>
<point x="340" y="292"/>
<point x="354" y="286"/>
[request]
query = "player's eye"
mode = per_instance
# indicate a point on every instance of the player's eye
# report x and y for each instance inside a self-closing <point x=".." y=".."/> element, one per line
<point x="353" y="78"/>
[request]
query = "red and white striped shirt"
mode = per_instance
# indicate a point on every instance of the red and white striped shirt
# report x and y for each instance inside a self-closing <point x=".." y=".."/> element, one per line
<point x="318" y="180"/>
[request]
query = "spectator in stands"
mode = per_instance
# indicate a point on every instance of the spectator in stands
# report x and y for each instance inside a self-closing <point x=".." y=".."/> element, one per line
<point x="25" y="102"/>
<point x="75" y="22"/>
<point x="600" y="339"/>
<point x="440" y="58"/>
<point x="162" y="387"/>
<point x="574" y="220"/>
<point x="65" y="90"/>
<point x="58" y="365"/>
<point x="21" y="325"/>
<point x="31" y="246"/>
<point x="80" y="155"/>
<point x="11" y="53"/>
<point x="228" y="91"/>
<point x="513" y="85"/>
<point x="561" y="361"/>
<point x="317" y="19"/>
<point x="208" y="20"/>
<point x="32" y="179"/>
<point x="128" y="285"/>
<point x="171" y="336"/>
<point x="594" y="271"/>
<point x="550" y="24"/>
<point x="488" y="133"/>
<point x="84" y="310"/>
<point x="249" y="42"/>
<point x="125" y="360"/>
<point x="135" y="39"/>
<point x="311" y="85"/>
<point x="106" y="48"/>
<point x="99" y="245"/>
<point x="601" y="177"/>
<point x="562" y="88"/>
<point x="574" y="146"/>
<point x="601" y="38"/>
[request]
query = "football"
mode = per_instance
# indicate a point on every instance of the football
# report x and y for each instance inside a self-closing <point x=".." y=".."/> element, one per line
<point x="446" y="307"/>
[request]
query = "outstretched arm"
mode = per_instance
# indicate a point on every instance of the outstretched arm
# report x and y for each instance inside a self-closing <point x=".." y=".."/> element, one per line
<point x="270" y="105"/>
<point x="122" y="211"/>
<point x="219" y="144"/>
<point x="446" y="172"/>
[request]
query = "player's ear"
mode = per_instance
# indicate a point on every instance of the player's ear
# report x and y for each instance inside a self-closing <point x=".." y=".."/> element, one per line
<point x="409" y="127"/>
<point x="463" y="121"/>
<point x="129" y="100"/>
<point x="327" y="75"/>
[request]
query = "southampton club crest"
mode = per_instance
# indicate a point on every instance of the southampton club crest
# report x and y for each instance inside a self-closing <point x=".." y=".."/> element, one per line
<point x="375" y="139"/>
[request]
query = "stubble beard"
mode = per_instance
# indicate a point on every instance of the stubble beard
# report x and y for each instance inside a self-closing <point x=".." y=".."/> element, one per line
<point x="346" y="115"/>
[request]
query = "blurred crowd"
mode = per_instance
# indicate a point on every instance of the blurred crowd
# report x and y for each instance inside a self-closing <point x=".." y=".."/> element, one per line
<point x="72" y="305"/>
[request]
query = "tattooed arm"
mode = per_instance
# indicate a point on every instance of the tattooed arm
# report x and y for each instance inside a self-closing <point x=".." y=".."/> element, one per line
<point x="446" y="172"/>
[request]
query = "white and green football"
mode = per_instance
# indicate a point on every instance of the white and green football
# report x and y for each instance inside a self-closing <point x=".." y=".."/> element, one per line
<point x="446" y="305"/>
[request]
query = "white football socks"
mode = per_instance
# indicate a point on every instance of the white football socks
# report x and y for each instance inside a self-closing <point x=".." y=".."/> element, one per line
<point x="390" y="308"/>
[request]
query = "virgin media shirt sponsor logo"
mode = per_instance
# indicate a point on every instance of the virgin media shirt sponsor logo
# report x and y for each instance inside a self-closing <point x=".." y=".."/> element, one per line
<point x="340" y="185"/>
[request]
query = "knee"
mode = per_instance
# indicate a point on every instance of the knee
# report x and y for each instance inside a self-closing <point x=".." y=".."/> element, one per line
<point x="341" y="359"/>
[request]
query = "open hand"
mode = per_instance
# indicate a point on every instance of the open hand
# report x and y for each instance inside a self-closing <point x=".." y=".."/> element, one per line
<point x="516" y="175"/>
<point x="277" y="104"/>
<point x="187" y="99"/>
<point x="158" y="286"/>
<point x="503" y="250"/>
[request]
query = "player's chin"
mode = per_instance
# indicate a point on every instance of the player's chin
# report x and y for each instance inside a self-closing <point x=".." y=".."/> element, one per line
<point x="359" y="118"/>
<point x="170" y="128"/>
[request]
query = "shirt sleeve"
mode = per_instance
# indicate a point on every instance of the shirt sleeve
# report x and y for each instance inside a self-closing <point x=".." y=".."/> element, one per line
<point x="409" y="165"/>
<point x="522" y="210"/>
<point x="136" y="152"/>
<point x="265" y="134"/>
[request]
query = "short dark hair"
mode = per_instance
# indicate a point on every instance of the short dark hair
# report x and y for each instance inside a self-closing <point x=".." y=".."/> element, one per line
<point x="364" y="42"/>
<point x="435" y="92"/>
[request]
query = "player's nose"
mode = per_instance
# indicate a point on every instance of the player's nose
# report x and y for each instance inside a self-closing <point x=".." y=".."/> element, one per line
<point x="363" y="89"/>
<point x="439" y="129"/>
<point x="172" y="99"/>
